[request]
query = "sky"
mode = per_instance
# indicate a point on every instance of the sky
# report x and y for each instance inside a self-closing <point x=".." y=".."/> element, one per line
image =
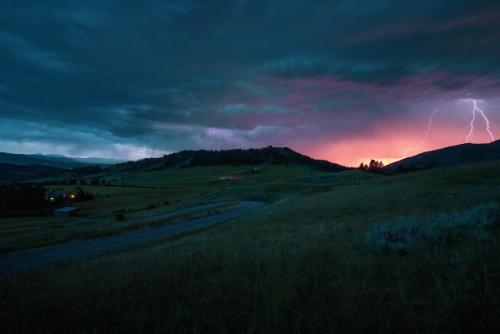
<point x="342" y="80"/>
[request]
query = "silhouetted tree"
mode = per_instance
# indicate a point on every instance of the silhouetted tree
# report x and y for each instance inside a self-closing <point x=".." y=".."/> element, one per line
<point x="375" y="165"/>
<point x="79" y="195"/>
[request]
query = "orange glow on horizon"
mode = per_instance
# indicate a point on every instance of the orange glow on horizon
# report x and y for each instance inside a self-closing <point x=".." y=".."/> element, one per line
<point x="387" y="143"/>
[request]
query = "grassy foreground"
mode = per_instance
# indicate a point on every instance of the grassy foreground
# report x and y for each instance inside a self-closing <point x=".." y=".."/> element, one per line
<point x="298" y="265"/>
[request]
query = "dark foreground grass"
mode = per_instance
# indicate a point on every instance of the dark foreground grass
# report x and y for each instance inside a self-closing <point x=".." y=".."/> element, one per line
<point x="296" y="266"/>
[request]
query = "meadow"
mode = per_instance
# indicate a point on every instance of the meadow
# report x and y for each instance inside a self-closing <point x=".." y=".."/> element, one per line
<point x="299" y="264"/>
<point x="152" y="193"/>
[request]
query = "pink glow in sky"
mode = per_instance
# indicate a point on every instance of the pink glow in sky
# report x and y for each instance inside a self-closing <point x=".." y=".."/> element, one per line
<point x="349" y="122"/>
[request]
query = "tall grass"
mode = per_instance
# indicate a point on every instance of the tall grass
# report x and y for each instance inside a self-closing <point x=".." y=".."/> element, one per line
<point x="406" y="233"/>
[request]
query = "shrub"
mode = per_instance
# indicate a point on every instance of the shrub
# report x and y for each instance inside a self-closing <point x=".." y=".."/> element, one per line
<point x="405" y="233"/>
<point x="78" y="195"/>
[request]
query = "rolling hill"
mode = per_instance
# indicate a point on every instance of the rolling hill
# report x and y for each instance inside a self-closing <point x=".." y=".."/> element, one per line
<point x="268" y="155"/>
<point x="449" y="156"/>
<point x="19" y="167"/>
<point x="58" y="161"/>
<point x="19" y="173"/>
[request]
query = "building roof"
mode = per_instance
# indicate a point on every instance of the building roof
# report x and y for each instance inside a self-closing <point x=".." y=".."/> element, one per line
<point x="66" y="209"/>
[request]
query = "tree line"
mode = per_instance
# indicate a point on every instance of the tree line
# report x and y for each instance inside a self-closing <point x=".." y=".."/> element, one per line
<point x="74" y="182"/>
<point x="24" y="198"/>
<point x="374" y="165"/>
<point x="34" y="199"/>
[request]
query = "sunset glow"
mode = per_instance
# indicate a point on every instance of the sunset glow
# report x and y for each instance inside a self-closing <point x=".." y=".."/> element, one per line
<point x="389" y="141"/>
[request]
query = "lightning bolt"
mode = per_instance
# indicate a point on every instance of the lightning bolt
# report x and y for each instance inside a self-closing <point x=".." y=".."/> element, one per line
<point x="471" y="128"/>
<point x="427" y="134"/>
<point x="475" y="111"/>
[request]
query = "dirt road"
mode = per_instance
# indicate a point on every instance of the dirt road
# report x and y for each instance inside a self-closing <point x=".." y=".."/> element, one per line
<point x="45" y="256"/>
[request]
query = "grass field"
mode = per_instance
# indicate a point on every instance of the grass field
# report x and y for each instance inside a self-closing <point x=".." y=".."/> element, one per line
<point x="297" y="265"/>
<point x="154" y="192"/>
<point x="97" y="217"/>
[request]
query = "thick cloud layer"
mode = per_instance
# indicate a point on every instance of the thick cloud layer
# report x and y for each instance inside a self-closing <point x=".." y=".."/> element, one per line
<point x="343" y="80"/>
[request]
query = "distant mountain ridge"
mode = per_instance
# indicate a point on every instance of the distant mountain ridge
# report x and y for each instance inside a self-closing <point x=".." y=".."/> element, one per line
<point x="29" y="167"/>
<point x="18" y="173"/>
<point x="449" y="156"/>
<point x="58" y="161"/>
<point x="268" y="155"/>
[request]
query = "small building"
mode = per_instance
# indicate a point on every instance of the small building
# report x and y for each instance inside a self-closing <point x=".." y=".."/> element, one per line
<point x="66" y="211"/>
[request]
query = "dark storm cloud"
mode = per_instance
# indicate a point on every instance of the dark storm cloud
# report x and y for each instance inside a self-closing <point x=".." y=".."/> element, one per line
<point x="171" y="74"/>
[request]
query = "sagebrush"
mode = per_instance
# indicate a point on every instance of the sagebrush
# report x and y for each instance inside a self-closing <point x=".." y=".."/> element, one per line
<point x="405" y="233"/>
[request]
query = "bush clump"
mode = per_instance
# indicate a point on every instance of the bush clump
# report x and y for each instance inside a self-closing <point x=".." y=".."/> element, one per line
<point x="405" y="233"/>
